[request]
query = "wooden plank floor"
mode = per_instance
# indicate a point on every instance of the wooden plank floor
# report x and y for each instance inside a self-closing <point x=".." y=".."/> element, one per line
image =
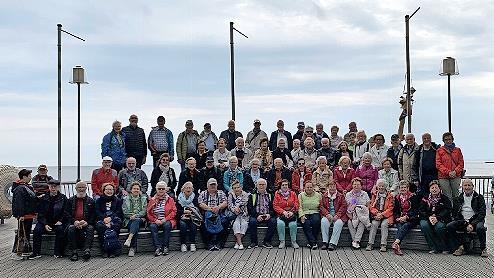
<point x="251" y="263"/>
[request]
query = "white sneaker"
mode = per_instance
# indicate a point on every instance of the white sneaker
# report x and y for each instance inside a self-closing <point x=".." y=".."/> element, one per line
<point x="132" y="252"/>
<point x="127" y="242"/>
<point x="183" y="248"/>
<point x="282" y="245"/>
<point x="295" y="245"/>
<point x="236" y="246"/>
<point x="193" y="248"/>
<point x="355" y="245"/>
<point x="241" y="247"/>
<point x="16" y="257"/>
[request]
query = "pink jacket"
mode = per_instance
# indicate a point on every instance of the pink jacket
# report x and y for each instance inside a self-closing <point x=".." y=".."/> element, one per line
<point x="369" y="176"/>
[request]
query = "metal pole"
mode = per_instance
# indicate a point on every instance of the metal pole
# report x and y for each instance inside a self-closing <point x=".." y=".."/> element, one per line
<point x="409" y="99"/>
<point x="232" y="69"/>
<point x="59" y="45"/>
<point x="449" y="103"/>
<point x="78" y="131"/>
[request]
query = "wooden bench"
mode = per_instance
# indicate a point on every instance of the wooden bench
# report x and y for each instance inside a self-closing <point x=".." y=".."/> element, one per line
<point x="414" y="240"/>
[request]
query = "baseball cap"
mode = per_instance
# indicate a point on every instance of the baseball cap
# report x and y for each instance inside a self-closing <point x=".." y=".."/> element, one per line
<point x="395" y="137"/>
<point x="206" y="124"/>
<point x="301" y="124"/>
<point x="257" y="121"/>
<point x="209" y="158"/>
<point x="107" y="158"/>
<point x="42" y="167"/>
<point x="212" y="181"/>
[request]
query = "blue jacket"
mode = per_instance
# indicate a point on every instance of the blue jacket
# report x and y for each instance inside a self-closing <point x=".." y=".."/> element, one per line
<point x="112" y="148"/>
<point x="229" y="175"/>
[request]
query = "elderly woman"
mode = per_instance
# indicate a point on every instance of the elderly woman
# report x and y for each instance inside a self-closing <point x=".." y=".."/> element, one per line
<point x="435" y="213"/>
<point x="113" y="145"/>
<point x="286" y="206"/>
<point x="252" y="175"/>
<point x="296" y="151"/>
<point x="332" y="209"/>
<point x="300" y="175"/>
<point x="188" y="215"/>
<point x="309" y="202"/>
<point x="343" y="175"/>
<point x="342" y="150"/>
<point x="278" y="173"/>
<point x="109" y="216"/>
<point x="161" y="213"/>
<point x="264" y="155"/>
<point x="367" y="173"/>
<point x="260" y="207"/>
<point x="450" y="165"/>
<point x="381" y="212"/>
<point x="310" y="153"/>
<point x="357" y="211"/>
<point x="361" y="147"/>
<point x="322" y="175"/>
<point x="163" y="172"/>
<point x="379" y="151"/>
<point x="134" y="210"/>
<point x="390" y="175"/>
<point x="221" y="155"/>
<point x="237" y="207"/>
<point x="232" y="174"/>
<point x="406" y="213"/>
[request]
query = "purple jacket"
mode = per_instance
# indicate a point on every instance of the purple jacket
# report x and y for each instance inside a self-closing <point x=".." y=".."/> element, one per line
<point x="369" y="176"/>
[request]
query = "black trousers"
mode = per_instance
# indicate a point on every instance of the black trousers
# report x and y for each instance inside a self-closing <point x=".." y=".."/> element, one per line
<point x="80" y="238"/>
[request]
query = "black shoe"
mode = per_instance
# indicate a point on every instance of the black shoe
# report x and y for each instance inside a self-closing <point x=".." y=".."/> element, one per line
<point x="74" y="257"/>
<point x="267" y="245"/>
<point x="58" y="256"/>
<point x="324" y="246"/>
<point x="216" y="248"/>
<point x="34" y="256"/>
<point x="112" y="255"/>
<point x="211" y="248"/>
<point x="87" y="255"/>
<point x="314" y="246"/>
<point x="253" y="245"/>
<point x="331" y="247"/>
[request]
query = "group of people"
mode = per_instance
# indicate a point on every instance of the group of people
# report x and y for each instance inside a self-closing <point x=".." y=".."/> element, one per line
<point x="231" y="183"/>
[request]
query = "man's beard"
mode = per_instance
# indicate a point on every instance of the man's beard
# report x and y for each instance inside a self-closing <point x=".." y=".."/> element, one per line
<point x="81" y="194"/>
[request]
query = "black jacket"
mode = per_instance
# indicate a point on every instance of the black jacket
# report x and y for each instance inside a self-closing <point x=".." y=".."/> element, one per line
<point x="24" y="200"/>
<point x="338" y="155"/>
<point x="271" y="177"/>
<point x="155" y="177"/>
<point x="413" y="212"/>
<point x="442" y="209"/>
<point x="252" y="203"/>
<point x="277" y="153"/>
<point x="88" y="208"/>
<point x="230" y="138"/>
<point x="329" y="154"/>
<point x="115" y="209"/>
<point x="59" y="203"/>
<point x="478" y="206"/>
<point x="185" y="176"/>
<point x="249" y="185"/>
<point x="135" y="141"/>
<point x="317" y="141"/>
<point x="273" y="142"/>
<point x="206" y="174"/>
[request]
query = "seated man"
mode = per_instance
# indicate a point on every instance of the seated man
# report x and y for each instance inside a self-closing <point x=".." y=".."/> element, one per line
<point x="103" y="175"/>
<point x="130" y="174"/>
<point x="278" y="173"/>
<point x="80" y="218"/>
<point x="50" y="219"/>
<point x="260" y="208"/>
<point x="468" y="217"/>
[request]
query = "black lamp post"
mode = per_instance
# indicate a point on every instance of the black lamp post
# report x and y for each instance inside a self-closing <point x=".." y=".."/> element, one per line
<point x="232" y="67"/>
<point x="450" y="67"/>
<point x="78" y="78"/>
<point x="409" y="96"/>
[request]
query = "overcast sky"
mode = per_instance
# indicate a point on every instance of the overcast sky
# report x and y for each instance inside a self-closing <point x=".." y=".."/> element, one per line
<point x="316" y="61"/>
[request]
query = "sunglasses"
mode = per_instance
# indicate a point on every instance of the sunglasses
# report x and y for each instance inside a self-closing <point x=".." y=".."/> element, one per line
<point x="160" y="188"/>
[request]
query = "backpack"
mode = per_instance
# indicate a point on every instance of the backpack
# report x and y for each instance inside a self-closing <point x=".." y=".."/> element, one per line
<point x="212" y="222"/>
<point x="111" y="244"/>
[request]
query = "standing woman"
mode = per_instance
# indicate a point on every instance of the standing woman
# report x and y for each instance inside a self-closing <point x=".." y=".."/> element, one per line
<point x="367" y="173"/>
<point x="221" y="155"/>
<point x="109" y="216"/>
<point x="450" y="165"/>
<point x="361" y="147"/>
<point x="237" y="205"/>
<point x="23" y="208"/>
<point x="357" y="201"/>
<point x="134" y="210"/>
<point x="163" y="172"/>
<point x="201" y="154"/>
<point x="161" y="213"/>
<point x="286" y="206"/>
<point x="308" y="213"/>
<point x="113" y="145"/>
<point x="381" y="211"/>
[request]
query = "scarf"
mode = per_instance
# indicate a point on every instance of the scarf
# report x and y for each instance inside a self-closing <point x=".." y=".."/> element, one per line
<point x="433" y="200"/>
<point x="404" y="200"/>
<point x="164" y="173"/>
<point x="284" y="194"/>
<point x="380" y="199"/>
<point x="355" y="197"/>
<point x="450" y="147"/>
<point x="184" y="201"/>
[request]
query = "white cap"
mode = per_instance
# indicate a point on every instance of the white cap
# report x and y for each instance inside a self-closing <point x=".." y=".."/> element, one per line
<point x="107" y="158"/>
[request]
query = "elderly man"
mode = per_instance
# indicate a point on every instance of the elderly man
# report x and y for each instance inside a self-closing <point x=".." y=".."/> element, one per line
<point x="209" y="137"/>
<point x="300" y="131"/>
<point x="51" y="218"/>
<point x="278" y="134"/>
<point x="80" y="215"/>
<point x="394" y="151"/>
<point x="260" y="207"/>
<point x="327" y="152"/>
<point x="334" y="137"/>
<point x="160" y="141"/>
<point x="253" y="139"/>
<point x="103" y="175"/>
<point x="40" y="181"/>
<point x="213" y="203"/>
<point x="243" y="154"/>
<point x="282" y="152"/>
<point x="319" y="134"/>
<point x="276" y="175"/>
<point x="190" y="174"/>
<point x="426" y="164"/>
<point x="468" y="217"/>
<point x="113" y="145"/>
<point x="135" y="141"/>
<point x="130" y="174"/>
<point x="310" y="153"/>
<point x="406" y="159"/>
<point x="187" y="143"/>
<point x="230" y="135"/>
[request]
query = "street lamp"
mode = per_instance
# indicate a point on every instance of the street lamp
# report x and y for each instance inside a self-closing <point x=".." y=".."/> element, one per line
<point x="232" y="70"/>
<point x="78" y="78"/>
<point x="407" y="49"/>
<point x="450" y="67"/>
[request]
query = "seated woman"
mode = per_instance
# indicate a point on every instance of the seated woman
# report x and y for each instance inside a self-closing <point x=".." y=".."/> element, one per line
<point x="357" y="201"/>
<point x="333" y="211"/>
<point x="381" y="211"/>
<point x="237" y="211"/>
<point x="189" y="216"/>
<point x="163" y="172"/>
<point x="109" y="216"/>
<point x="300" y="175"/>
<point x="343" y="175"/>
<point x="435" y="212"/>
<point x="308" y="213"/>
<point x="161" y="213"/>
<point x="134" y="210"/>
<point x="286" y="206"/>
<point x="264" y="155"/>
<point x="390" y="175"/>
<point x="322" y="175"/>
<point x="406" y="213"/>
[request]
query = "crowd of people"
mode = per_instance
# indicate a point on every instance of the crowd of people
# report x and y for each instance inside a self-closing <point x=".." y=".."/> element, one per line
<point x="231" y="183"/>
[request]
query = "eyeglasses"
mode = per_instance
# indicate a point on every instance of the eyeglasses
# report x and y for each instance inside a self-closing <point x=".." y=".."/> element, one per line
<point x="160" y="188"/>
<point x="300" y="164"/>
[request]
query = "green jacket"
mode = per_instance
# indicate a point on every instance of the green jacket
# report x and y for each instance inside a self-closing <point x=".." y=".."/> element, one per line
<point x="129" y="210"/>
<point x="182" y="144"/>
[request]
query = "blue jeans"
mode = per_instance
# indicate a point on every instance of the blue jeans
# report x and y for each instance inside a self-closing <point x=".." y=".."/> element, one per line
<point x="436" y="236"/>
<point x="403" y="229"/>
<point x="312" y="227"/>
<point x="134" y="226"/>
<point x="292" y="226"/>
<point x="165" y="236"/>
<point x="335" y="236"/>
<point x="186" y="224"/>
<point x="269" y="233"/>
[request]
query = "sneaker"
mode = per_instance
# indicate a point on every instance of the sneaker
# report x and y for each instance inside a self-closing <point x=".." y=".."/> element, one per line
<point x="112" y="256"/>
<point x="267" y="245"/>
<point x="484" y="253"/>
<point x="57" y="256"/>
<point x="34" y="256"/>
<point x="295" y="245"/>
<point x="157" y="252"/>
<point x="397" y="249"/>
<point x="241" y="247"/>
<point x="383" y="248"/>
<point x="282" y="245"/>
<point x="459" y="251"/>
<point x="309" y="245"/>
<point x="74" y="257"/>
<point x="369" y="247"/>
<point x="183" y="248"/>
<point x="324" y="246"/>
<point x="314" y="246"/>
<point x="193" y="247"/>
<point x="87" y="255"/>
<point x="355" y="245"/>
<point x="331" y="247"/>
<point x="432" y="252"/>
<point x="211" y="248"/>
<point x="253" y="245"/>
<point x="132" y="252"/>
<point x="216" y="248"/>
<point x="127" y="242"/>
<point x="16" y="257"/>
<point x="165" y="251"/>
<point x="236" y="246"/>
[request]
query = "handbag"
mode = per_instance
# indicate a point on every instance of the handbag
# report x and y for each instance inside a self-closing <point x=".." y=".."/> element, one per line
<point x="213" y="222"/>
<point x="23" y="246"/>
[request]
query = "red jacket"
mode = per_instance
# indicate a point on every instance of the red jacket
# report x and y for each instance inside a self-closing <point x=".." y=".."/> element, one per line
<point x="449" y="161"/>
<point x="101" y="176"/>
<point x="280" y="204"/>
<point x="340" y="206"/>
<point x="296" y="178"/>
<point x="342" y="179"/>
<point x="388" y="207"/>
<point x="170" y="211"/>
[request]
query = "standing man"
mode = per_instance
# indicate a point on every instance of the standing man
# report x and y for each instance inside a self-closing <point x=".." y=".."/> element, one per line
<point x="352" y="128"/>
<point x="187" y="143"/>
<point x="113" y="145"/>
<point x="450" y="165"/>
<point x="319" y="134"/>
<point x="160" y="141"/>
<point x="327" y="152"/>
<point x="406" y="160"/>
<point x="209" y="138"/>
<point x="130" y="174"/>
<point x="40" y="181"/>
<point x="135" y="141"/>
<point x="253" y="140"/>
<point x="394" y="151"/>
<point x="278" y="134"/>
<point x="300" y="132"/>
<point x="335" y="138"/>
<point x="230" y="135"/>
<point x="426" y="164"/>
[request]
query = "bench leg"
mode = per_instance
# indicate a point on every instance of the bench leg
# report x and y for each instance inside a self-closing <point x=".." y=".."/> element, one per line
<point x="2" y="221"/>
